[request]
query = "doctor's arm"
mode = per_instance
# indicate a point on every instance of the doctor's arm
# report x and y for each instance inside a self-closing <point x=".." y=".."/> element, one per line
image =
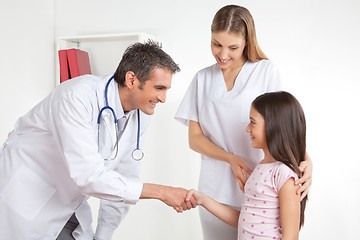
<point x="112" y="213"/>
<point x="201" y="144"/>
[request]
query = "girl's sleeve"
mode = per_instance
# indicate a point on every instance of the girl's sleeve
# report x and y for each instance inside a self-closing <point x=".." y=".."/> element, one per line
<point x="188" y="109"/>
<point x="281" y="175"/>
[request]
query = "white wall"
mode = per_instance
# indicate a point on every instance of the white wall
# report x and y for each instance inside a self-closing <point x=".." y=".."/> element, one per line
<point x="314" y="43"/>
<point x="26" y="58"/>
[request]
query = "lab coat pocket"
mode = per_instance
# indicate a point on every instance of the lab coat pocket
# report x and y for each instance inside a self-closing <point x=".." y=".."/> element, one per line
<point x="26" y="193"/>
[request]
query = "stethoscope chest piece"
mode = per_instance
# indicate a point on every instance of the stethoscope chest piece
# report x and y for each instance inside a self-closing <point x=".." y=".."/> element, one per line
<point x="137" y="154"/>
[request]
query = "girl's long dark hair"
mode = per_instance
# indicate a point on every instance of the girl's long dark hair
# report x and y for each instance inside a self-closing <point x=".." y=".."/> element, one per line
<point x="285" y="129"/>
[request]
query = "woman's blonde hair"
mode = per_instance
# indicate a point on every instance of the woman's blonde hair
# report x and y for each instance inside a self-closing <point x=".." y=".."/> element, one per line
<point x="237" y="19"/>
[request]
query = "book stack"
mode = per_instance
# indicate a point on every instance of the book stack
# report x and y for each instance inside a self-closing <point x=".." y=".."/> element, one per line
<point x="73" y="63"/>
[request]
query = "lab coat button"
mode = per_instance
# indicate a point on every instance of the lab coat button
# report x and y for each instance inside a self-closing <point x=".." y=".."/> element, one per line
<point x="55" y="234"/>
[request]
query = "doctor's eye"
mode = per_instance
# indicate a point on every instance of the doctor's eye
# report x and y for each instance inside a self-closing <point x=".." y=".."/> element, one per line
<point x="160" y="88"/>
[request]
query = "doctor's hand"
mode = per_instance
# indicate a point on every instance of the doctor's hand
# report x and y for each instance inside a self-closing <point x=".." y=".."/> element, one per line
<point x="239" y="168"/>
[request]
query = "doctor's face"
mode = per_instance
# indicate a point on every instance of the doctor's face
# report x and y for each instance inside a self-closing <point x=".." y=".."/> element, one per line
<point x="153" y="91"/>
<point x="227" y="48"/>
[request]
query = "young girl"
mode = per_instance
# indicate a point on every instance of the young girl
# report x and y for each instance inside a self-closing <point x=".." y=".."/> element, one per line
<point x="272" y="209"/>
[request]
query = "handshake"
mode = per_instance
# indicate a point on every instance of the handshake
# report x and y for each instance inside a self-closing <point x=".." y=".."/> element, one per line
<point x="181" y="199"/>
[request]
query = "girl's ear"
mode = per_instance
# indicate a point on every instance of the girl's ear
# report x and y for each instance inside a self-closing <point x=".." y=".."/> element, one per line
<point x="130" y="79"/>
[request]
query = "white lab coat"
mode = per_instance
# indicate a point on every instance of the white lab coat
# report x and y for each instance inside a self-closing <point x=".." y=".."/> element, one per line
<point x="50" y="164"/>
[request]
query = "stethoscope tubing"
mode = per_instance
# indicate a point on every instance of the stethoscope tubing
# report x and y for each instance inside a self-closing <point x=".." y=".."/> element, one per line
<point x="137" y="154"/>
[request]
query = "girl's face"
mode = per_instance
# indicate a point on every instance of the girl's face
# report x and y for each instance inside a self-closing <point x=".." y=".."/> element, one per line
<point x="228" y="48"/>
<point x="256" y="129"/>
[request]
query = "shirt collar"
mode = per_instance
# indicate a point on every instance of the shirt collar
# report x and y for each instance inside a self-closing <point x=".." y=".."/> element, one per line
<point x="118" y="107"/>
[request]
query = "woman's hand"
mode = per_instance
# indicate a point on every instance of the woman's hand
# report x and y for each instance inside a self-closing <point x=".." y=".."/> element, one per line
<point x="239" y="168"/>
<point x="201" y="144"/>
<point x="306" y="168"/>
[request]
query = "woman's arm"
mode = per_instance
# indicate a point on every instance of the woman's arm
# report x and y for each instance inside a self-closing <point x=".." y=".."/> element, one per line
<point x="306" y="168"/>
<point x="224" y="213"/>
<point x="289" y="210"/>
<point x="201" y="144"/>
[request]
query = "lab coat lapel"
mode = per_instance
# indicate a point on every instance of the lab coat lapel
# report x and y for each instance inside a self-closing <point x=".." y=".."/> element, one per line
<point x="110" y="121"/>
<point x="129" y="135"/>
<point x="126" y="145"/>
<point x="107" y="129"/>
<point x="127" y="142"/>
<point x="107" y="136"/>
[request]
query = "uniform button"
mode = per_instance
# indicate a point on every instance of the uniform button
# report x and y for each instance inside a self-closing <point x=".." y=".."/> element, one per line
<point x="55" y="234"/>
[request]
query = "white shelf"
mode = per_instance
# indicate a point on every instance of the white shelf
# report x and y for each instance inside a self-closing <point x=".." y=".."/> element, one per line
<point x="105" y="50"/>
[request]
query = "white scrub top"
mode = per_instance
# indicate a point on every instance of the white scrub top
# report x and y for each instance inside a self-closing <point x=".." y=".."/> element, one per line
<point x="51" y="164"/>
<point x="223" y="116"/>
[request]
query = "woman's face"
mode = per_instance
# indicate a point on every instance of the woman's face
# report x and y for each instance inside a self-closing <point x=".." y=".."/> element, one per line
<point x="228" y="48"/>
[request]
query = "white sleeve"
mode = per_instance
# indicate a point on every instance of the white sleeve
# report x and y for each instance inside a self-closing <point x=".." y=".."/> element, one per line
<point x="275" y="82"/>
<point x="188" y="109"/>
<point x="76" y="137"/>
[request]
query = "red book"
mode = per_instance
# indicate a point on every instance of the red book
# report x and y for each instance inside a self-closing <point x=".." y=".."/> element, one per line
<point x="64" y="66"/>
<point x="79" y="63"/>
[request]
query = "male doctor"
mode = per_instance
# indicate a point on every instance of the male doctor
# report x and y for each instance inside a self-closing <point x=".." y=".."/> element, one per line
<point x="64" y="150"/>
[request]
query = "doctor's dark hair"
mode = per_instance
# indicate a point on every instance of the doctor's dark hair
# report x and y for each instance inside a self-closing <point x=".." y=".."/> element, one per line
<point x="237" y="19"/>
<point x="285" y="130"/>
<point x="142" y="59"/>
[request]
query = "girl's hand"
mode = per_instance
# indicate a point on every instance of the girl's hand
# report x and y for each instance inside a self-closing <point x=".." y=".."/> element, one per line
<point x="306" y="168"/>
<point x="223" y="212"/>
<point x="238" y="167"/>
<point x="193" y="194"/>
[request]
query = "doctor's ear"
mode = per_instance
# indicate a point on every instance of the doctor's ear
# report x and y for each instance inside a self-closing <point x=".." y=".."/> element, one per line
<point x="130" y="80"/>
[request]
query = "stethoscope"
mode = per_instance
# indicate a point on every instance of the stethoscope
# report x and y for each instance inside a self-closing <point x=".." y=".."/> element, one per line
<point x="137" y="154"/>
